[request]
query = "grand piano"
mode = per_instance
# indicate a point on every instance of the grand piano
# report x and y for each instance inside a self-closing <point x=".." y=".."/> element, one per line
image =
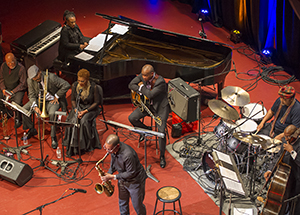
<point x="172" y="55"/>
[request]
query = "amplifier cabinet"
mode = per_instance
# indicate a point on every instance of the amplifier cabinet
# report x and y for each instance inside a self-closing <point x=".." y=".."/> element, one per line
<point x="183" y="99"/>
<point x="14" y="171"/>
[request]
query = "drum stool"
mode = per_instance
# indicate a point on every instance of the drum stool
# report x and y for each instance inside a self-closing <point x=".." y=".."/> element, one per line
<point x="168" y="194"/>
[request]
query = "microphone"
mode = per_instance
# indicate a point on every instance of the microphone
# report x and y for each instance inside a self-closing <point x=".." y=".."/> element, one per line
<point x="78" y="190"/>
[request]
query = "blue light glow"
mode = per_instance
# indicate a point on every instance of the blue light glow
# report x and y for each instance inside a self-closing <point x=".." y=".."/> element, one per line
<point x="204" y="11"/>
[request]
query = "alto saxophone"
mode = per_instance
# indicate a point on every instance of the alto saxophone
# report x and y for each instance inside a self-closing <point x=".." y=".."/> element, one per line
<point x="105" y="187"/>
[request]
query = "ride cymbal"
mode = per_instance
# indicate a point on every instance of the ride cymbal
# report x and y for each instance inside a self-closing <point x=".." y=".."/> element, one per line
<point x="235" y="96"/>
<point x="250" y="138"/>
<point x="223" y="110"/>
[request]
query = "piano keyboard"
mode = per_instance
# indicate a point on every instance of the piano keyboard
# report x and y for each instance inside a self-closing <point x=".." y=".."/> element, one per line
<point x="44" y="43"/>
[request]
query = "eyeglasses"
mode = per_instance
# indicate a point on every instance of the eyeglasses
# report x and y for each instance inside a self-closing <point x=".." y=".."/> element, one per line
<point x="110" y="150"/>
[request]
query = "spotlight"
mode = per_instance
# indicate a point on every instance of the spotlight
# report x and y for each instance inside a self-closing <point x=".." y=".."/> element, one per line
<point x="266" y="55"/>
<point x="235" y="36"/>
<point x="203" y="15"/>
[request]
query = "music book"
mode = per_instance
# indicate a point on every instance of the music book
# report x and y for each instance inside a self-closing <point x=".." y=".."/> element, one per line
<point x="84" y="56"/>
<point x="119" y="29"/>
<point x="97" y="42"/>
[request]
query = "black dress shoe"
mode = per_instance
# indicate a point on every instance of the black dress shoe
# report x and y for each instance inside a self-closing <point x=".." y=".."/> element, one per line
<point x="54" y="143"/>
<point x="162" y="162"/>
<point x="32" y="132"/>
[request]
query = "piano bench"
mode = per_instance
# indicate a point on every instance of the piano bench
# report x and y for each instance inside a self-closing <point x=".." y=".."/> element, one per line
<point x="58" y="65"/>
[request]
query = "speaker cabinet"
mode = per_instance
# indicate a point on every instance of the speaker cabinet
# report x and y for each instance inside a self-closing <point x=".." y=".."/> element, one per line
<point x="183" y="99"/>
<point x="14" y="171"/>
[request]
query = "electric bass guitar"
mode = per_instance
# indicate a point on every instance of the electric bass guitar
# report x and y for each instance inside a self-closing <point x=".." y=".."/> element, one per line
<point x="142" y="102"/>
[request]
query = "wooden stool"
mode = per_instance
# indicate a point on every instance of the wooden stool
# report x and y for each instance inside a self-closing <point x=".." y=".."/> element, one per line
<point x="168" y="194"/>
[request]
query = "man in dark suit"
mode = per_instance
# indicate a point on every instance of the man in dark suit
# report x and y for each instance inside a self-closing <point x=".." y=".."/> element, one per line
<point x="154" y="87"/>
<point x="131" y="175"/>
<point x="55" y="98"/>
<point x="292" y="158"/>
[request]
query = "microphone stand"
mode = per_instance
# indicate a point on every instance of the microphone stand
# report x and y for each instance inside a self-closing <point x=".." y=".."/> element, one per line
<point x="40" y="208"/>
<point x="77" y="125"/>
<point x="42" y="160"/>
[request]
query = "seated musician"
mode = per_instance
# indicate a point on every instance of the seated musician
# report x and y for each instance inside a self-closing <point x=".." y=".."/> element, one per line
<point x="55" y="98"/>
<point x="154" y="87"/>
<point x="12" y="79"/>
<point x="292" y="158"/>
<point x="285" y="111"/>
<point x="85" y="100"/>
<point x="72" y="40"/>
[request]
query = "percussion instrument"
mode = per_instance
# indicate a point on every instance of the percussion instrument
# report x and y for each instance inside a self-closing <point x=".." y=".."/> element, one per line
<point x="223" y="127"/>
<point x="235" y="96"/>
<point x="254" y="111"/>
<point x="246" y="125"/>
<point x="223" y="110"/>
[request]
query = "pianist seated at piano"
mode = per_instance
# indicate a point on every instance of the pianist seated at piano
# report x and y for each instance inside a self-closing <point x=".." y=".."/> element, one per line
<point x="12" y="84"/>
<point x="72" y="40"/>
<point x="85" y="100"/>
<point x="148" y="83"/>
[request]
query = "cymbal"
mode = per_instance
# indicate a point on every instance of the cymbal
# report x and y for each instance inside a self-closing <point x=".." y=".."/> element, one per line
<point x="235" y="96"/>
<point x="223" y="110"/>
<point x="250" y="138"/>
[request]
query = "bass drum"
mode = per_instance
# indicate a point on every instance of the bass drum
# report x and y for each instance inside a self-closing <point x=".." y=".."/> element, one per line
<point x="208" y="165"/>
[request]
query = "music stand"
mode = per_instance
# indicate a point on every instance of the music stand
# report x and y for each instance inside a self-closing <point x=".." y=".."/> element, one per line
<point x="144" y="132"/>
<point x="16" y="150"/>
<point x="62" y="163"/>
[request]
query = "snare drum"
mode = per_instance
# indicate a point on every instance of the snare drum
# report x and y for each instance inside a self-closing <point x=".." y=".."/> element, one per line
<point x="223" y="127"/>
<point x="249" y="110"/>
<point x="249" y="126"/>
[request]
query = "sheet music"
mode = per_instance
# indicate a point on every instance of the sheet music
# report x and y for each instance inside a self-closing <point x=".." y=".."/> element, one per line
<point x="97" y="42"/>
<point x="119" y="29"/>
<point x="242" y="211"/>
<point x="228" y="173"/>
<point x="223" y="157"/>
<point x="84" y="56"/>
<point x="234" y="186"/>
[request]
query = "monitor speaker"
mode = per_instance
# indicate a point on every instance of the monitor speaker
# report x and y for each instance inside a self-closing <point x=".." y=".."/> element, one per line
<point x="183" y="99"/>
<point x="14" y="171"/>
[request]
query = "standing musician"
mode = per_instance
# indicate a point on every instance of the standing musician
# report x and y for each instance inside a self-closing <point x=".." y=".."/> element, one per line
<point x="55" y="98"/>
<point x="13" y="79"/>
<point x="154" y="87"/>
<point x="292" y="158"/>
<point x="131" y="175"/>
<point x="285" y="111"/>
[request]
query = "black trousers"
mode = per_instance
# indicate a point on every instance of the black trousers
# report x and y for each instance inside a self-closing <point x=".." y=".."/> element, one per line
<point x="135" y="191"/>
<point x="135" y="119"/>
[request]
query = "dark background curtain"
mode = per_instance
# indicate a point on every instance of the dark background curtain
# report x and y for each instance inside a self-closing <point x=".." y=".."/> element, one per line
<point x="271" y="24"/>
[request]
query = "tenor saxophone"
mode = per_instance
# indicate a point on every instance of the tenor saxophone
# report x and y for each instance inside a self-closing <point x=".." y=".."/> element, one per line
<point x="105" y="187"/>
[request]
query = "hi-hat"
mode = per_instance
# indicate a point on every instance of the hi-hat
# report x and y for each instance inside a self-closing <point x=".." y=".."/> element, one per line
<point x="250" y="138"/>
<point x="223" y="110"/>
<point x="235" y="96"/>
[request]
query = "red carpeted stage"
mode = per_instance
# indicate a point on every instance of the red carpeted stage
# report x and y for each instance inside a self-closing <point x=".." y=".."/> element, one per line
<point x="18" y="18"/>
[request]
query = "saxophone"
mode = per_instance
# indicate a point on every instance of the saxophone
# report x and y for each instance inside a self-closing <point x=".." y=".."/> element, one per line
<point x="105" y="187"/>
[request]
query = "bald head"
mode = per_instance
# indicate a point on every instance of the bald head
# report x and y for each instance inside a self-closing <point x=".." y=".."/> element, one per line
<point x="10" y="60"/>
<point x="290" y="130"/>
<point x="112" y="140"/>
<point x="147" y="72"/>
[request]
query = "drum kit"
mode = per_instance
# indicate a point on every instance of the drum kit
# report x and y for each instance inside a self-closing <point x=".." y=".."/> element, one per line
<point x="236" y="135"/>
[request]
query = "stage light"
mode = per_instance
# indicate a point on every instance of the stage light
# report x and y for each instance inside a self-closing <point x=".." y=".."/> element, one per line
<point x="204" y="11"/>
<point x="235" y="36"/>
<point x="266" y="55"/>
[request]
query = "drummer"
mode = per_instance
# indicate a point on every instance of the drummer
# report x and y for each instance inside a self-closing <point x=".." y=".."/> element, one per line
<point x="285" y="111"/>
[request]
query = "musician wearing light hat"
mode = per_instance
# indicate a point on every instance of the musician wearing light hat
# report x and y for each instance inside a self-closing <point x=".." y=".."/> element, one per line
<point x="55" y="98"/>
<point x="285" y="110"/>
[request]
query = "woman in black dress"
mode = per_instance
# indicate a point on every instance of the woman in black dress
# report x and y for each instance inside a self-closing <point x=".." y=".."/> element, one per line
<point x="85" y="100"/>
